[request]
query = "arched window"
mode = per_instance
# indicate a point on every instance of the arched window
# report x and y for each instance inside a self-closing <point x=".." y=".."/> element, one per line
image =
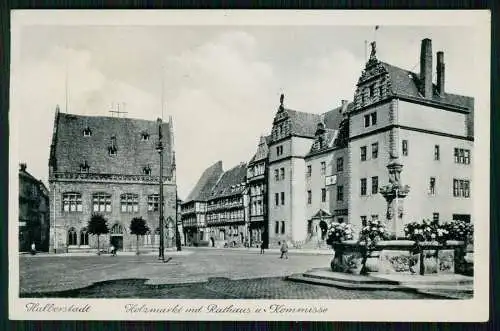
<point x="84" y="237"/>
<point x="116" y="229"/>
<point x="147" y="239"/>
<point x="72" y="237"/>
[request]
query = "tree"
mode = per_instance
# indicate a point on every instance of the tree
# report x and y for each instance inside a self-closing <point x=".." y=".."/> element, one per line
<point x="139" y="228"/>
<point x="98" y="225"/>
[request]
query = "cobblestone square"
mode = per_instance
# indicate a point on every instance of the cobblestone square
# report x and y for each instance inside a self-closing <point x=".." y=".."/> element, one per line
<point x="195" y="274"/>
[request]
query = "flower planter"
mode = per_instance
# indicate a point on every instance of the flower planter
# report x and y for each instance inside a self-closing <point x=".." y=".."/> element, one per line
<point x="393" y="256"/>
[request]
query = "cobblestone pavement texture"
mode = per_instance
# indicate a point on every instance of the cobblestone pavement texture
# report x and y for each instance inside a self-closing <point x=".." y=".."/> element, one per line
<point x="203" y="274"/>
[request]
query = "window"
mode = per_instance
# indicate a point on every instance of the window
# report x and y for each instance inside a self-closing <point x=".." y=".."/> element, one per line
<point x="87" y="132"/>
<point x="309" y="171"/>
<point x="323" y="195"/>
<point x="436" y="152"/>
<point x="340" y="164"/>
<point x="323" y="168"/>
<point x="374" y="118"/>
<point x="101" y="202"/>
<point x="282" y="227"/>
<point x="84" y="167"/>
<point x="340" y="193"/>
<point x="405" y="147"/>
<point x="84" y="237"/>
<point x="153" y="202"/>
<point x="371" y="90"/>
<point x="276" y="174"/>
<point x="116" y="229"/>
<point x="381" y="90"/>
<point x="367" y="120"/>
<point x="146" y="170"/>
<point x="374" y="150"/>
<point x="375" y="185"/>
<point x="282" y="172"/>
<point x="282" y="198"/>
<point x="461" y="188"/>
<point x="144" y="136"/>
<point x="462" y="156"/>
<point x="277" y="227"/>
<point x="363" y="220"/>
<point x="461" y="217"/>
<point x="363" y="153"/>
<point x="72" y="237"/>
<point x="72" y="202"/>
<point x="363" y="186"/>
<point x="435" y="218"/>
<point x="129" y="203"/>
<point x="432" y="185"/>
<point x="340" y="220"/>
<point x="309" y="197"/>
<point x="279" y="150"/>
<point x="276" y="199"/>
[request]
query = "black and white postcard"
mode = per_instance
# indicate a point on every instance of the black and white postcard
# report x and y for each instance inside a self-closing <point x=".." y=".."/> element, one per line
<point x="249" y="165"/>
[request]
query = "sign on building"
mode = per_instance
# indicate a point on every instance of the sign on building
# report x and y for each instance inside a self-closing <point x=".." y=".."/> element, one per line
<point x="331" y="180"/>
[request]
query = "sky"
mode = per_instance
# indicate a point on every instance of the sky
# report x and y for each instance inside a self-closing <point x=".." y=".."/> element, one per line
<point x="221" y="84"/>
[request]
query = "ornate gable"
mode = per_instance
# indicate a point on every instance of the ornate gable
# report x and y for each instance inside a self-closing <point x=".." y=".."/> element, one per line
<point x="282" y="123"/>
<point x="374" y="84"/>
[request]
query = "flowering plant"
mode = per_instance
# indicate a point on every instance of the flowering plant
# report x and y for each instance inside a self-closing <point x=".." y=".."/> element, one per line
<point x="425" y="231"/>
<point x="459" y="230"/>
<point x="373" y="232"/>
<point x="338" y="232"/>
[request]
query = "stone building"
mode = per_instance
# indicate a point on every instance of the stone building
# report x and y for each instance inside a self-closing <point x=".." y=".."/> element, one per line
<point x="111" y="166"/>
<point x="194" y="207"/>
<point x="33" y="212"/>
<point x="257" y="191"/>
<point x="227" y="209"/>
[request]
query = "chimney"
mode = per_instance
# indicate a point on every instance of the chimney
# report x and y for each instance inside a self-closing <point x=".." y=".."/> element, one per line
<point x="440" y="72"/>
<point x="426" y="68"/>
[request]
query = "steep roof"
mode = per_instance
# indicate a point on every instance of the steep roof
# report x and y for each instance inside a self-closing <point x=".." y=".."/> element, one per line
<point x="231" y="182"/>
<point x="406" y="83"/>
<point x="303" y="124"/>
<point x="324" y="141"/>
<point x="262" y="150"/>
<point x="203" y="188"/>
<point x="70" y="148"/>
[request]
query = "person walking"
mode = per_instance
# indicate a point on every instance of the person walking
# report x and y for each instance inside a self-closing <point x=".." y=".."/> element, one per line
<point x="262" y="248"/>
<point x="284" y="250"/>
<point x="113" y="250"/>
<point x="33" y="248"/>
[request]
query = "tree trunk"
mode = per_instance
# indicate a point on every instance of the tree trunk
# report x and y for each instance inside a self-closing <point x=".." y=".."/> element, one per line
<point x="137" y="245"/>
<point x="98" y="250"/>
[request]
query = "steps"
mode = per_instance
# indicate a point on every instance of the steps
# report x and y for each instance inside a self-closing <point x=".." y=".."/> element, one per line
<point x="443" y="286"/>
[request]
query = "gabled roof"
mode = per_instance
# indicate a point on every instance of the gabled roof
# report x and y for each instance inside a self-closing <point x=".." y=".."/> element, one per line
<point x="406" y="83"/>
<point x="328" y="139"/>
<point x="204" y="186"/>
<point x="231" y="182"/>
<point x="262" y="150"/>
<point x="322" y="214"/>
<point x="70" y="148"/>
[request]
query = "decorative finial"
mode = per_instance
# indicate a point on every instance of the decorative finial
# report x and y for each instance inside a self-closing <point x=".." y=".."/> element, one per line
<point x="373" y="44"/>
<point x="282" y="98"/>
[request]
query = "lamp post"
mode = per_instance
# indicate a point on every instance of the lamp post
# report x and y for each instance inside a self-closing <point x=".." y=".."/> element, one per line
<point x="159" y="149"/>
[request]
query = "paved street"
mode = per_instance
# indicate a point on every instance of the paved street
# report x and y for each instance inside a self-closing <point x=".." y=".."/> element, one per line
<point x="196" y="273"/>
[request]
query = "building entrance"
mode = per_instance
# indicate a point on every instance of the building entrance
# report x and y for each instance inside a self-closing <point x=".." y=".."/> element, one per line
<point x="116" y="237"/>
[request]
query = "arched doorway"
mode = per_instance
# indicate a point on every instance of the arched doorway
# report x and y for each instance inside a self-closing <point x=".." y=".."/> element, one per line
<point x="116" y="236"/>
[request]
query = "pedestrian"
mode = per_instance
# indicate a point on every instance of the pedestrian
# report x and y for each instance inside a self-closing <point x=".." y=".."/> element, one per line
<point x="262" y="248"/>
<point x="113" y="251"/>
<point x="284" y="250"/>
<point x="33" y="248"/>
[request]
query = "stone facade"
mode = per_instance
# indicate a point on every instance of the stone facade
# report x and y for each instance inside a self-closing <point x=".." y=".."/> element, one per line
<point x="110" y="166"/>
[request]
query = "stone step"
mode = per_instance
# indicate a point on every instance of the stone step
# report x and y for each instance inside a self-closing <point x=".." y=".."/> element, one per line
<point x="348" y="278"/>
<point x="342" y="284"/>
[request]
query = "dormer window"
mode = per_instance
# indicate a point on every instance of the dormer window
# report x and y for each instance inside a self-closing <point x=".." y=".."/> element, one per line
<point x="144" y="136"/>
<point x="112" y="148"/>
<point x="84" y="167"/>
<point x="146" y="170"/>
<point x="87" y="132"/>
<point x="372" y="90"/>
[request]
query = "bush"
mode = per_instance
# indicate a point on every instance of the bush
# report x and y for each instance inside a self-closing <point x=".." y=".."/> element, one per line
<point x="372" y="233"/>
<point x="430" y="231"/>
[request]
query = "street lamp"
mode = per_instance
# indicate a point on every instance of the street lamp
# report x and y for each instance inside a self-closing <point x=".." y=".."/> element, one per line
<point x="159" y="149"/>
